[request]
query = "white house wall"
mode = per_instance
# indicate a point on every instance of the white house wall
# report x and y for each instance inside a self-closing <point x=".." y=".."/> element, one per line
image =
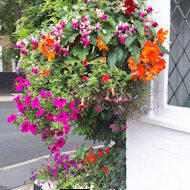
<point x="158" y="155"/>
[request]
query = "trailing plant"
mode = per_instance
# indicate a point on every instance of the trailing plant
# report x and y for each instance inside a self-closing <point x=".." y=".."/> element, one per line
<point x="88" y="69"/>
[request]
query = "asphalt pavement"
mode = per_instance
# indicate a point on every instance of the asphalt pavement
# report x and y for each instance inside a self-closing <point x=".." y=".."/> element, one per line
<point x="16" y="148"/>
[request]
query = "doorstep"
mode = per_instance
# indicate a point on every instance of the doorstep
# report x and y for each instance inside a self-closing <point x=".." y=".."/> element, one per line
<point x="25" y="187"/>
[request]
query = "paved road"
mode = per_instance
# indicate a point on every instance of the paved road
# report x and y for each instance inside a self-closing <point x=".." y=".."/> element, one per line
<point x="16" y="147"/>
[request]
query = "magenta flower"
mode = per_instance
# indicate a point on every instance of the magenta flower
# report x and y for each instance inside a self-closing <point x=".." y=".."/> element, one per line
<point x="67" y="128"/>
<point x="27" y="100"/>
<point x="53" y="148"/>
<point x="17" y="98"/>
<point x="60" y="142"/>
<point x="60" y="133"/>
<point x="75" y="25"/>
<point x="40" y="112"/>
<point x="25" y="127"/>
<point x="86" y="42"/>
<point x="22" y="51"/>
<point x="104" y="17"/>
<point x="19" y="79"/>
<point x="36" y="103"/>
<point x="59" y="102"/>
<point x="33" y="129"/>
<point x="147" y="27"/>
<point x="154" y="24"/>
<point x="49" y="116"/>
<point x="35" y="70"/>
<point x="120" y="27"/>
<point x="62" y="117"/>
<point x="149" y="10"/>
<point x="122" y="39"/>
<point x="141" y="14"/>
<point x="11" y="118"/>
<point x="133" y="30"/>
<point x="98" y="108"/>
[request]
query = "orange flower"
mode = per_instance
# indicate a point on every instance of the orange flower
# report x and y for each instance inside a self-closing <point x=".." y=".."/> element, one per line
<point x="161" y="35"/>
<point x="132" y="64"/>
<point x="42" y="48"/>
<point x="103" y="46"/>
<point x="45" y="73"/>
<point x="50" y="55"/>
<point x="150" y="52"/>
<point x="49" y="42"/>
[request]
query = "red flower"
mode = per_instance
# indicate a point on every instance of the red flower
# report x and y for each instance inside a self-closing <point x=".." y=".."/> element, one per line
<point x="84" y="77"/>
<point x="107" y="150"/>
<point x="100" y="153"/>
<point x="130" y="7"/>
<point x="116" y="148"/>
<point x="81" y="106"/>
<point x="85" y="63"/>
<point x="106" y="78"/>
<point x="105" y="170"/>
<point x="91" y="148"/>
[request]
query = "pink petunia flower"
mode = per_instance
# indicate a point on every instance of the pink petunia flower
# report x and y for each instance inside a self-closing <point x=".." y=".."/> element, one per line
<point x="25" y="127"/>
<point x="49" y="116"/>
<point x="62" y="117"/>
<point x="40" y="112"/>
<point x="36" y="103"/>
<point x="11" y="118"/>
<point x="60" y="142"/>
<point x="59" y="102"/>
<point x="33" y="129"/>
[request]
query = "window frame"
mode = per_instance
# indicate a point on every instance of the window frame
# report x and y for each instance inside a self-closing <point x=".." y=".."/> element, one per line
<point x="162" y="114"/>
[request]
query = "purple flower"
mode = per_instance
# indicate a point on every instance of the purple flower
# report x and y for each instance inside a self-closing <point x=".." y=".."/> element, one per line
<point x="11" y="118"/>
<point x="85" y="1"/>
<point x="59" y="102"/>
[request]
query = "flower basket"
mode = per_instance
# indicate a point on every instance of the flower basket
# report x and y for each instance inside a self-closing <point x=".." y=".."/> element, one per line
<point x="88" y="70"/>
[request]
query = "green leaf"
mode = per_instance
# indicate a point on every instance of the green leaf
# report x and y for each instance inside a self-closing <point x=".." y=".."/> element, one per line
<point x="106" y="37"/>
<point x="129" y="40"/>
<point x="81" y="52"/>
<point x="121" y="55"/>
<point x="139" y="27"/>
<point x="163" y="49"/>
<point x="72" y="37"/>
<point x="112" y="59"/>
<point x="135" y="51"/>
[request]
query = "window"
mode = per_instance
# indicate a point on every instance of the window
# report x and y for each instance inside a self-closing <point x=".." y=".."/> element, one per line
<point x="179" y="61"/>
